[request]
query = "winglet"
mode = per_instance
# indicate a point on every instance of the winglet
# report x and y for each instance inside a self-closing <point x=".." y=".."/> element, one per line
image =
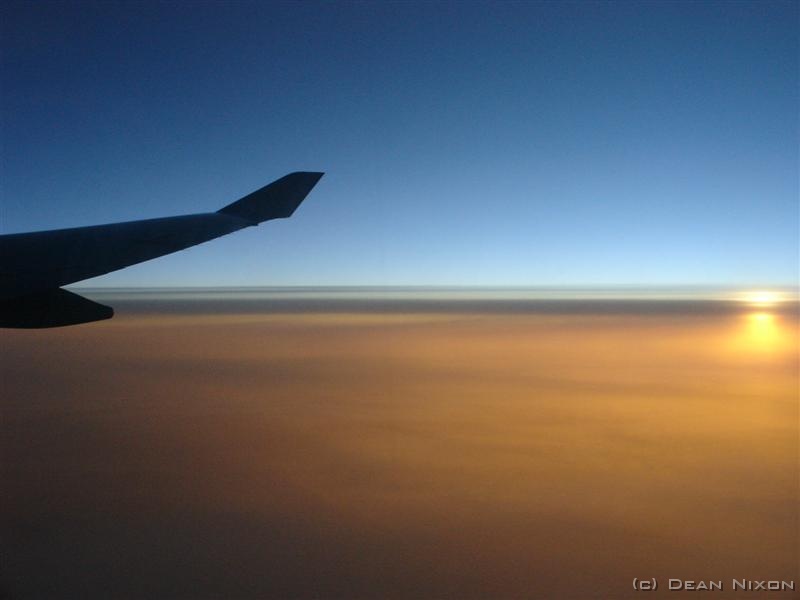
<point x="277" y="200"/>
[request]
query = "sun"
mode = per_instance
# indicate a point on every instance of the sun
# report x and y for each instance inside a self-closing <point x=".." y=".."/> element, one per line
<point x="762" y="298"/>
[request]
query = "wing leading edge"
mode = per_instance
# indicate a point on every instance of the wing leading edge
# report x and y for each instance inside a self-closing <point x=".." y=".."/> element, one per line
<point x="33" y="266"/>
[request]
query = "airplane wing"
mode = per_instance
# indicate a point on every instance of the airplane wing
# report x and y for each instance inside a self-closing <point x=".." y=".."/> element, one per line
<point x="34" y="266"/>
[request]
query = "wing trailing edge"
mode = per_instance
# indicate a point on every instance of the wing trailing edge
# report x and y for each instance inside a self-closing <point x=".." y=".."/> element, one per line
<point x="53" y="308"/>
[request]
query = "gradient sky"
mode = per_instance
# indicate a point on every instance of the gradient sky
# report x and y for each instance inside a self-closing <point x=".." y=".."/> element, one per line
<point x="464" y="144"/>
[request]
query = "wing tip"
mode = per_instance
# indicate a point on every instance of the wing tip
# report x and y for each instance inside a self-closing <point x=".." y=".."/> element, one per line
<point x="276" y="200"/>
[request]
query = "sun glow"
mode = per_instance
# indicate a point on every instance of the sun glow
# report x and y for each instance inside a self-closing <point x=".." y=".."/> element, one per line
<point x="761" y="333"/>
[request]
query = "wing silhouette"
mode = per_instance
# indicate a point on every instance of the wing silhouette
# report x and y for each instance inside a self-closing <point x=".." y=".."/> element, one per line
<point x="33" y="266"/>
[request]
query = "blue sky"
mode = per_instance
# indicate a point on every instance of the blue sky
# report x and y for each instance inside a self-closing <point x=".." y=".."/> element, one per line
<point x="464" y="143"/>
